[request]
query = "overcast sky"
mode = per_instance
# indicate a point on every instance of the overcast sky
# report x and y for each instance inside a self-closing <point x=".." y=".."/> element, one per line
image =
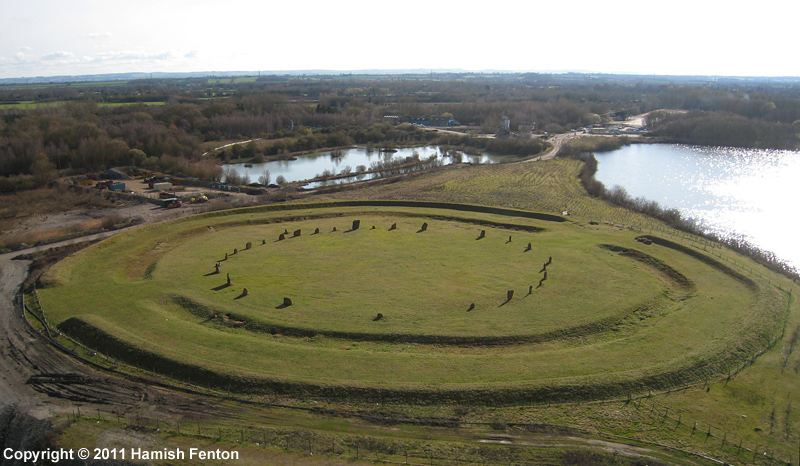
<point x="72" y="37"/>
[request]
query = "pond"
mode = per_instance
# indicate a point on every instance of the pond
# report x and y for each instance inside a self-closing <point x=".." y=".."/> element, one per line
<point x="732" y="192"/>
<point x="306" y="167"/>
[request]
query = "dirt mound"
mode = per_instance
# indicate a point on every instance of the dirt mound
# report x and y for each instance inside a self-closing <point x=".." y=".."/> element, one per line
<point x="20" y="431"/>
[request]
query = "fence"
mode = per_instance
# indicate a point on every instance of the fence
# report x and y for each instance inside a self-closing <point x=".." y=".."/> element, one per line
<point x="353" y="447"/>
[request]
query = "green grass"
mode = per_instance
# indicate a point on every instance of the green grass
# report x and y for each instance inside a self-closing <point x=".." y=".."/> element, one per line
<point x="30" y="105"/>
<point x="34" y="105"/>
<point x="237" y="80"/>
<point x="722" y="324"/>
<point x="120" y="104"/>
<point x="602" y="324"/>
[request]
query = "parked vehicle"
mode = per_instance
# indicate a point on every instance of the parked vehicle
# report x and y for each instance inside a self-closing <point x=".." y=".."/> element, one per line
<point x="171" y="203"/>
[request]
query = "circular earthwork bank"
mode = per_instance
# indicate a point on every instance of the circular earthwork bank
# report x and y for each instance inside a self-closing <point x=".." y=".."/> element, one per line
<point x="410" y="302"/>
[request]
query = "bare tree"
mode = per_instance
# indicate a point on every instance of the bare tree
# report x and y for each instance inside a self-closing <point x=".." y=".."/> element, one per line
<point x="265" y="178"/>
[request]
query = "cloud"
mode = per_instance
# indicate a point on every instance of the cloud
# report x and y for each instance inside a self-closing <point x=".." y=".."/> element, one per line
<point x="192" y="54"/>
<point x="60" y="55"/>
<point x="56" y="62"/>
<point x="100" y="35"/>
<point x="133" y="55"/>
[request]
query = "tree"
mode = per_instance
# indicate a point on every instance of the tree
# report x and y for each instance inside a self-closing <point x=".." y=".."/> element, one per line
<point x="137" y="157"/>
<point x="281" y="180"/>
<point x="591" y="119"/>
<point x="265" y="178"/>
<point x="44" y="171"/>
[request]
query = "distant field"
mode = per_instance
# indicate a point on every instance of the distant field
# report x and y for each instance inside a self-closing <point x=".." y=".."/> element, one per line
<point x="33" y="105"/>
<point x="238" y="80"/>
<point x="120" y="104"/>
<point x="30" y="105"/>
<point x="613" y="315"/>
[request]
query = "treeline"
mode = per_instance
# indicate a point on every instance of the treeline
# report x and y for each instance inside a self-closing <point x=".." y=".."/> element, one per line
<point x="304" y="139"/>
<point x="94" y="126"/>
<point x="723" y="129"/>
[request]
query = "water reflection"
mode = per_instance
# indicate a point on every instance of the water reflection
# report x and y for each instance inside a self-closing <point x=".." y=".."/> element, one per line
<point x="733" y="192"/>
<point x="350" y="160"/>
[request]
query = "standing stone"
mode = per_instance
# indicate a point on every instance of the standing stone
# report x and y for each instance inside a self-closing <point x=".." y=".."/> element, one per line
<point x="334" y="229"/>
<point x="244" y="292"/>
<point x="285" y="231"/>
<point x="248" y="245"/>
<point x="424" y="226"/>
<point x="229" y="279"/>
<point x="471" y="306"/>
<point x="509" y="295"/>
<point x="226" y="256"/>
<point x="530" y="289"/>
<point x="356" y="224"/>
<point x="263" y="241"/>
<point x="393" y="227"/>
<point x="282" y="237"/>
<point x="549" y="260"/>
<point x="216" y="267"/>
<point x="378" y="317"/>
<point x="509" y="238"/>
<point x="297" y="233"/>
<point x="482" y="235"/>
<point x="316" y="231"/>
<point x="287" y="302"/>
<point x="235" y="251"/>
<point x="528" y="248"/>
<point x="545" y="275"/>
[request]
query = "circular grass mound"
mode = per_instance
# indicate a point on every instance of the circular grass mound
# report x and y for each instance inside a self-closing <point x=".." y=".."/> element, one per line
<point x="414" y="303"/>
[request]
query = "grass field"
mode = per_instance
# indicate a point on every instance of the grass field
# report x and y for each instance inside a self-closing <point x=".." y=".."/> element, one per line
<point x="33" y="105"/>
<point x="236" y="80"/>
<point x="607" y="322"/>
<point x="730" y="393"/>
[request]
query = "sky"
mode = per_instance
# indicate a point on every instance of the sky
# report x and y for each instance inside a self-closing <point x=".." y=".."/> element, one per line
<point x="77" y="37"/>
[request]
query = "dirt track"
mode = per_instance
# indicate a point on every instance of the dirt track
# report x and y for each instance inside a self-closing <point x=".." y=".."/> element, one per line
<point x="38" y="381"/>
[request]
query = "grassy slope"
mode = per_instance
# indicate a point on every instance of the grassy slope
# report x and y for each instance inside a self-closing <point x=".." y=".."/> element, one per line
<point x="757" y="407"/>
<point x="421" y="281"/>
<point x="764" y="392"/>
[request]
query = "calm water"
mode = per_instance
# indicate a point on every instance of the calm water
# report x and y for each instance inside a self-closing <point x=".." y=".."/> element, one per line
<point x="731" y="192"/>
<point x="312" y="165"/>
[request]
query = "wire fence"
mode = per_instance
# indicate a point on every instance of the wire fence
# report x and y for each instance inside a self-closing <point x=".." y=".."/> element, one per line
<point x="498" y="452"/>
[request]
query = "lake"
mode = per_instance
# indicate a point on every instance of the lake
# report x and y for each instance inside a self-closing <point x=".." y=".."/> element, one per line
<point x="731" y="192"/>
<point x="310" y="166"/>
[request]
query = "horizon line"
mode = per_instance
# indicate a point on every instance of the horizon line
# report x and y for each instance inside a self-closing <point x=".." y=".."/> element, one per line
<point x="375" y="71"/>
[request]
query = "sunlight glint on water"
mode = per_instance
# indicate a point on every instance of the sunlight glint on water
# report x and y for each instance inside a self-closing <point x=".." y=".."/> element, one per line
<point x="731" y="191"/>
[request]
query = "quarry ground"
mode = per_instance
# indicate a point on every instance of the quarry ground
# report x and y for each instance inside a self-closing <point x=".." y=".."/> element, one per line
<point x="39" y="382"/>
